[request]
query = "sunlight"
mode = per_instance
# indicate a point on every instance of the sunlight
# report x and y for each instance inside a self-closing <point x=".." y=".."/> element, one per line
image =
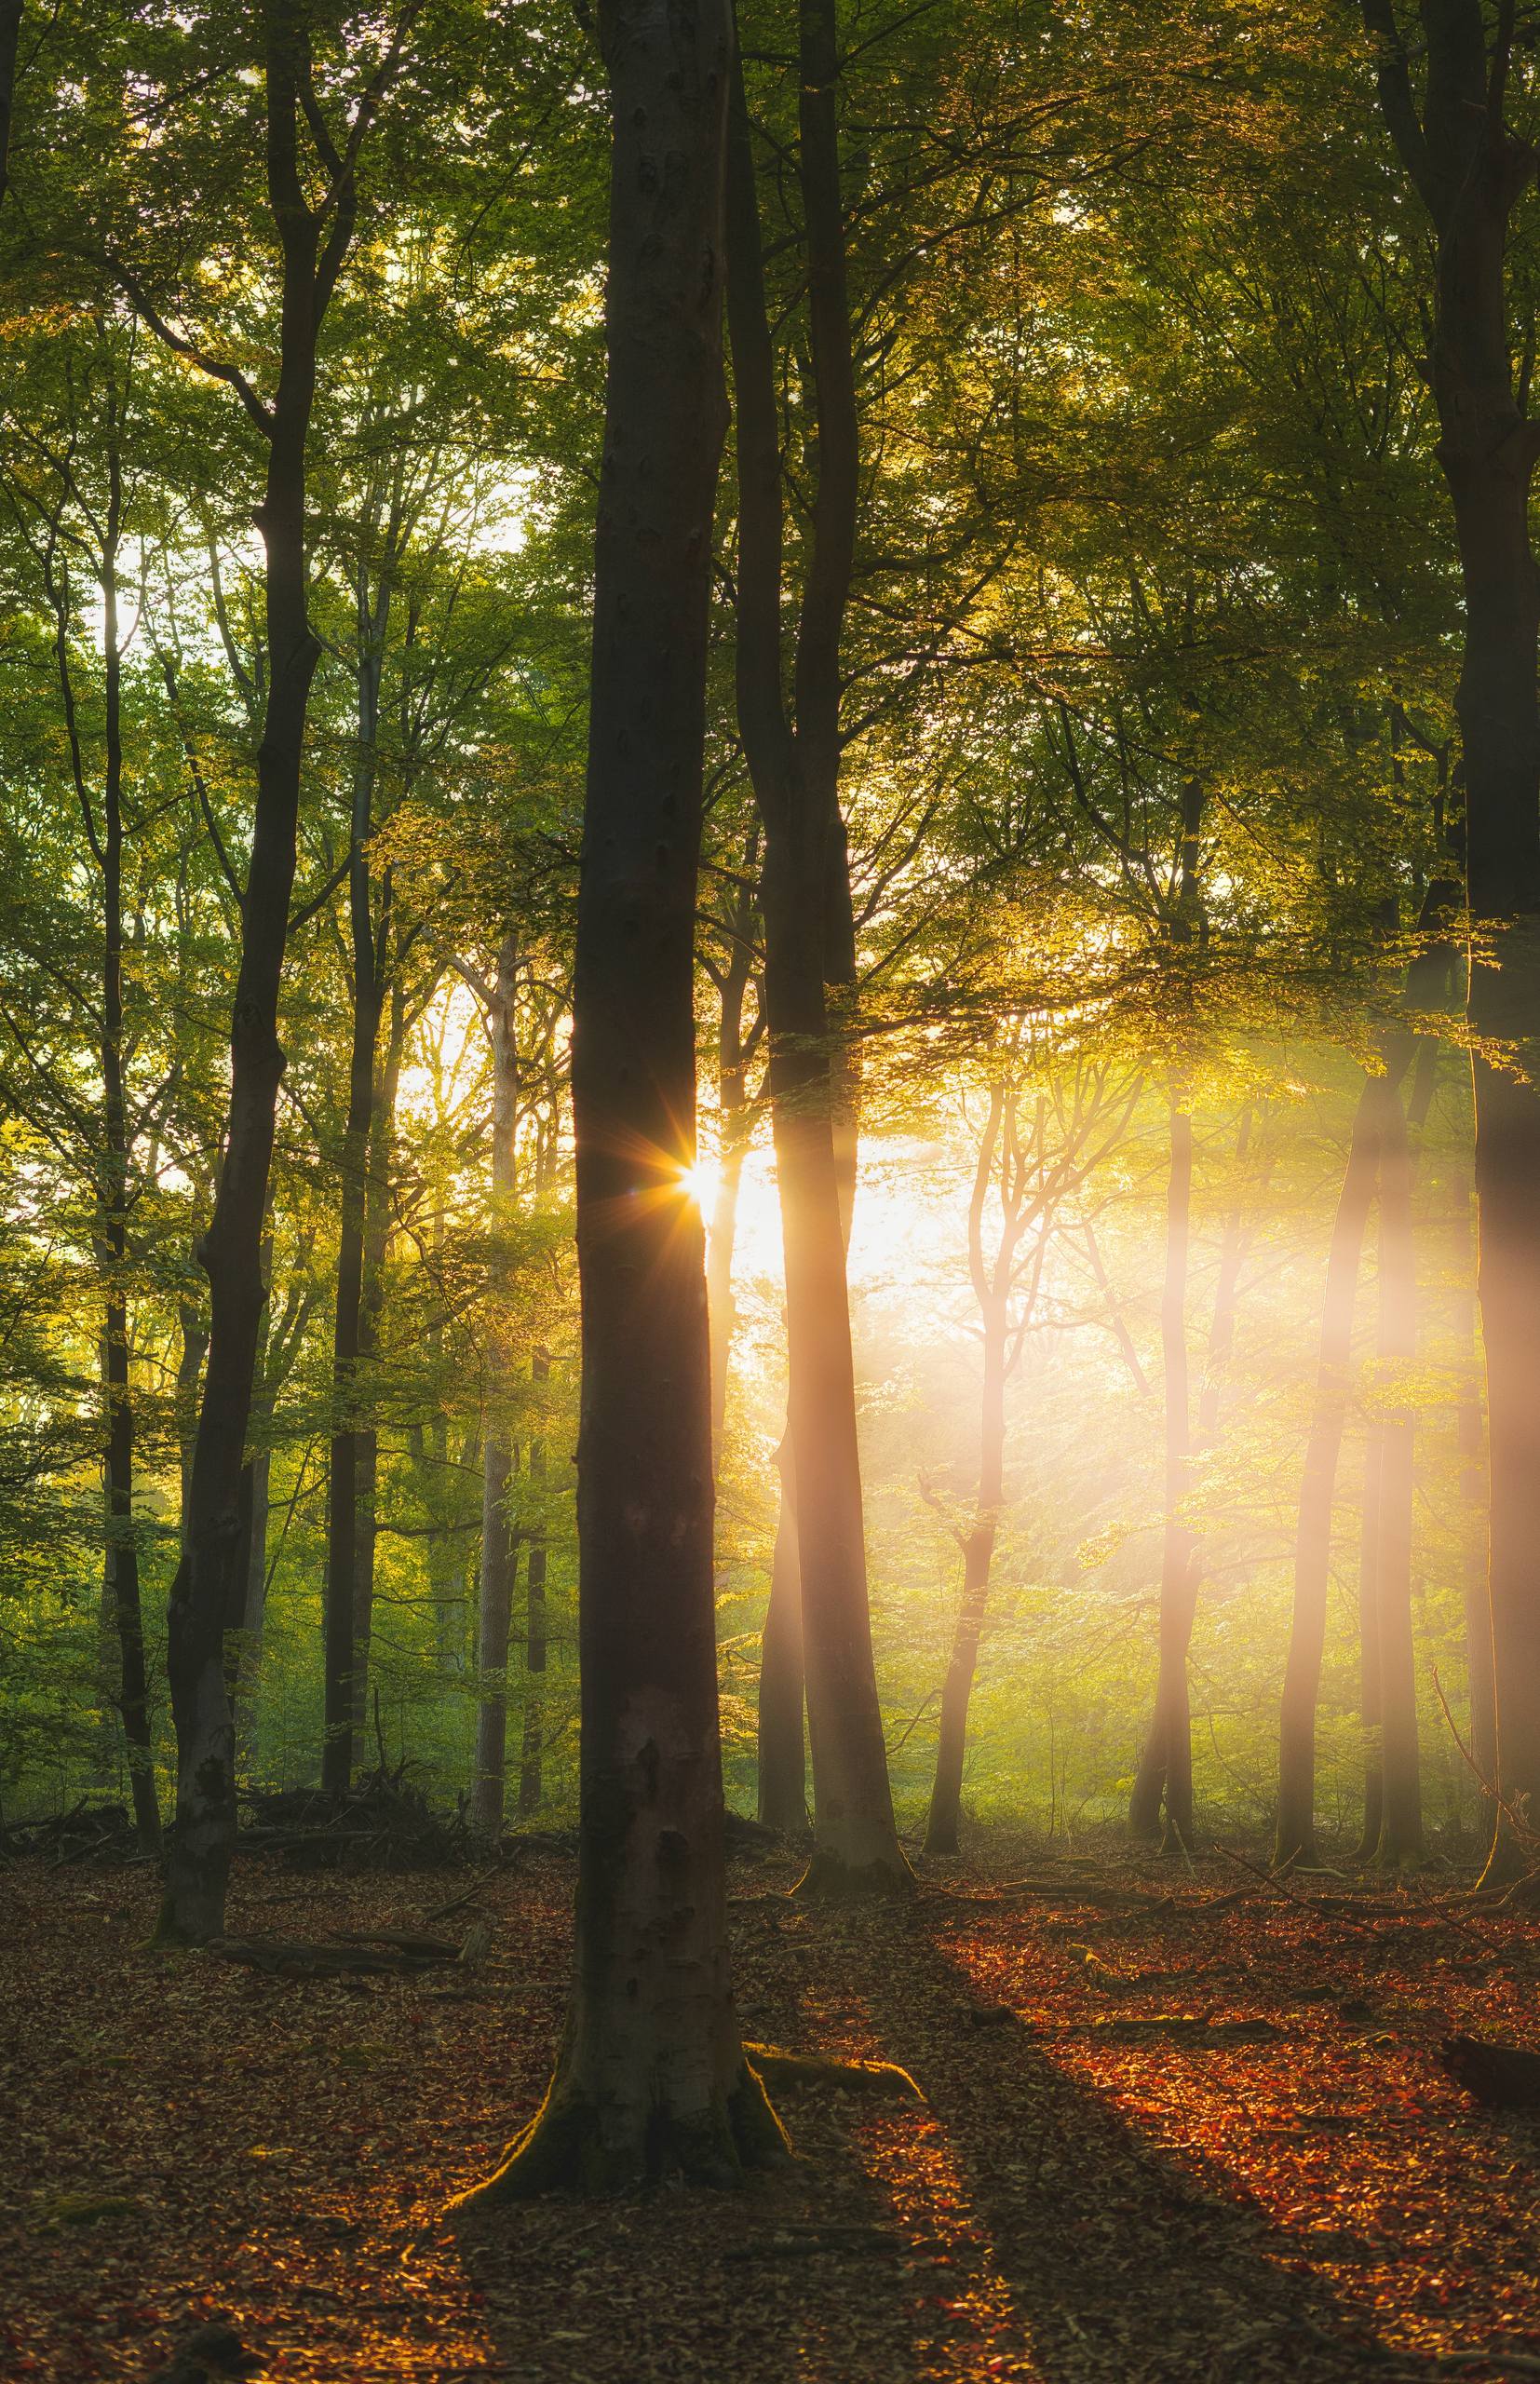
<point x="701" y="1183"/>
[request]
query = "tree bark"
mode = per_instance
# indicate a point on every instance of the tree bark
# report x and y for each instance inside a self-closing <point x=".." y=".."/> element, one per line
<point x="946" y="1794"/>
<point x="1400" y="1840"/>
<point x="1221" y="1330"/>
<point x="732" y="1107"/>
<point x="1164" y="1779"/>
<point x="1371" y="1707"/>
<point x="1471" y="172"/>
<point x="499" y="1545"/>
<point x="1294" y="1839"/>
<point x="532" y="1754"/>
<point x="651" y="2077"/>
<point x="382" y="1145"/>
<point x="122" y="1552"/>
<point x="809" y="947"/>
<point x="199" y="1861"/>
<point x="339" y="1613"/>
<point x="782" y="1748"/>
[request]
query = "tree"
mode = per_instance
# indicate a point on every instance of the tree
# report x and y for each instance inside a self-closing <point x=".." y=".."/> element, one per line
<point x="1032" y="1169"/>
<point x="809" y="946"/>
<point x="1470" y="171"/>
<point x="651" y="2075"/>
<point x="208" y="1595"/>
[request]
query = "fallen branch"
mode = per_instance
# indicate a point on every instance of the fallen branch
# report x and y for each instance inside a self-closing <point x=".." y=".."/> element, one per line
<point x="384" y="1951"/>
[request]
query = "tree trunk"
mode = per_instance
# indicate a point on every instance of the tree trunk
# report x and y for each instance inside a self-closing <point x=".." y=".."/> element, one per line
<point x="946" y="1795"/>
<point x="194" y="1349"/>
<point x="1471" y="172"/>
<point x="732" y="1106"/>
<point x="341" y="1600"/>
<point x="121" y="1566"/>
<point x="1294" y="1839"/>
<point x="532" y="1754"/>
<point x="499" y="1546"/>
<point x="809" y="945"/>
<point x="651" y="2077"/>
<point x="1164" y="1779"/>
<point x="382" y="1145"/>
<point x="782" y="1740"/>
<point x="499" y="1577"/>
<point x="1369" y="1647"/>
<point x="1471" y="1442"/>
<point x="1221" y="1330"/>
<point x="1402" y="1823"/>
<point x="199" y="1861"/>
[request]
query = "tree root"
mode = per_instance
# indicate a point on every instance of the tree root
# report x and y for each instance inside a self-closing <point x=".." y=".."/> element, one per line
<point x="827" y="1879"/>
<point x="813" y="2069"/>
<point x="566" y="2149"/>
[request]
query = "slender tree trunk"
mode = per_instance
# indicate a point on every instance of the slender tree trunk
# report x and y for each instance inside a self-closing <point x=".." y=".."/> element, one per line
<point x="652" y="2076"/>
<point x="1471" y="1440"/>
<point x="733" y="1104"/>
<point x="199" y="1861"/>
<point x="1164" y="1779"/>
<point x="1471" y="172"/>
<point x="1368" y="1645"/>
<point x="499" y="1578"/>
<point x="782" y="1740"/>
<point x="366" y="1475"/>
<point x="946" y="1795"/>
<point x="809" y="946"/>
<point x="1402" y="1823"/>
<point x="122" y="1553"/>
<point x="499" y="1545"/>
<point x="532" y="1754"/>
<point x="122" y="1584"/>
<point x="1295" y="1836"/>
<point x="194" y="1349"/>
<point x="341" y="1554"/>
<point x="1222" y="1331"/>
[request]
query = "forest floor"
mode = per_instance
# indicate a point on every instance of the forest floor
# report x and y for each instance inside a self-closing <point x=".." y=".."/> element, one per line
<point x="1078" y="2198"/>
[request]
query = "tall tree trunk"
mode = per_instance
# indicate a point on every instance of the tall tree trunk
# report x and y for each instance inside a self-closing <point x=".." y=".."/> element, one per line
<point x="499" y="1544"/>
<point x="366" y="1473"/>
<point x="782" y="1747"/>
<point x="1471" y="172"/>
<point x="368" y="951"/>
<point x="1221" y="1330"/>
<point x="1371" y="1706"/>
<point x="946" y="1795"/>
<point x="1402" y="1822"/>
<point x="194" y="1349"/>
<point x="121" y="1562"/>
<point x="1164" y="1779"/>
<point x="1294" y="1839"/>
<point x="199" y="1861"/>
<point x="531" y="1752"/>
<point x="651" y="2076"/>
<point x="1471" y="1440"/>
<point x="732" y="1090"/>
<point x="809" y="946"/>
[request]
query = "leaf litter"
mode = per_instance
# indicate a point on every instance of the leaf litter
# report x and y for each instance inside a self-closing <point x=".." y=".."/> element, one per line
<point x="1218" y="2144"/>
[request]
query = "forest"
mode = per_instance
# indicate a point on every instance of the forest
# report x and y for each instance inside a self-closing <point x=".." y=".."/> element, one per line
<point x="769" y="1191"/>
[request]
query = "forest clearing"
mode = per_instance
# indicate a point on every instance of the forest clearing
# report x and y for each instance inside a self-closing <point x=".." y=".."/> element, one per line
<point x="769" y="1190"/>
<point x="1084" y="2192"/>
